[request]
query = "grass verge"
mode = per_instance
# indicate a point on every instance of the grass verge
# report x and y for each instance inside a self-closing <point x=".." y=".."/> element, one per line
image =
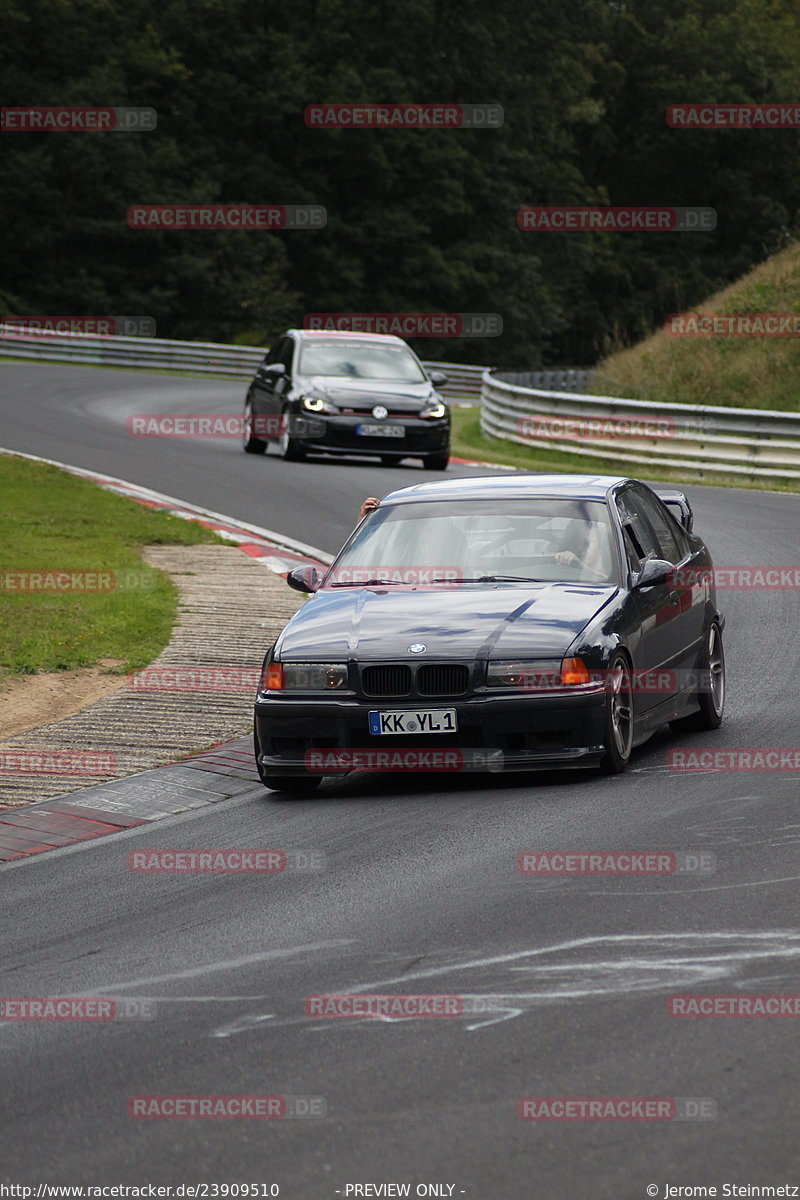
<point x="469" y="442"/>
<point x="740" y="372"/>
<point x="56" y="522"/>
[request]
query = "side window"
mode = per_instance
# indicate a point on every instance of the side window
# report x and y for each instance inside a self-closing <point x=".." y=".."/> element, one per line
<point x="640" y="542"/>
<point x="274" y="354"/>
<point x="669" y="546"/>
<point x="287" y="354"/>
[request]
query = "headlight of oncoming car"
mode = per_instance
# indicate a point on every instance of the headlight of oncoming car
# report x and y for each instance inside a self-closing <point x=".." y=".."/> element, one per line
<point x="304" y="677"/>
<point x="538" y="675"/>
<point x="434" y="410"/>
<point x="318" y="405"/>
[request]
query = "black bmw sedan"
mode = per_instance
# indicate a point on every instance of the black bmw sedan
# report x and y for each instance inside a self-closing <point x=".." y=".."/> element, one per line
<point x="347" y="393"/>
<point x="510" y="623"/>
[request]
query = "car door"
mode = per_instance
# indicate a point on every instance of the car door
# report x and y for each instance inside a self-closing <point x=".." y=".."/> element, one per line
<point x="658" y="654"/>
<point x="269" y="388"/>
<point x="689" y="595"/>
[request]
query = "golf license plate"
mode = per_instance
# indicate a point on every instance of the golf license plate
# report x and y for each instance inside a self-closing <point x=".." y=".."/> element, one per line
<point x="381" y="430"/>
<point x="423" y="720"/>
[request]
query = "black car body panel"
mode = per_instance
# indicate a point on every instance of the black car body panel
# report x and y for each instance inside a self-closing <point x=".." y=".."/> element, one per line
<point x="372" y="629"/>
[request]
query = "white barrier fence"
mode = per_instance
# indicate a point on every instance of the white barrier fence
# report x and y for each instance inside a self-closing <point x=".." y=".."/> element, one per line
<point x="742" y="442"/>
<point x="219" y="360"/>
<point x="214" y="359"/>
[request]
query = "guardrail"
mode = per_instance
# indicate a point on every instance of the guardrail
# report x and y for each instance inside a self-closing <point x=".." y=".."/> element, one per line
<point x="214" y="359"/>
<point x="516" y="406"/>
<point x="741" y="442"/>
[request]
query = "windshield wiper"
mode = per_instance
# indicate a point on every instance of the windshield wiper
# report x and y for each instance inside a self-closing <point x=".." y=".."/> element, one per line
<point x="494" y="579"/>
<point x="368" y="583"/>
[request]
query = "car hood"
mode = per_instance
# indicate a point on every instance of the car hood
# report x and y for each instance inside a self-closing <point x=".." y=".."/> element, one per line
<point x="374" y="624"/>
<point x="363" y="393"/>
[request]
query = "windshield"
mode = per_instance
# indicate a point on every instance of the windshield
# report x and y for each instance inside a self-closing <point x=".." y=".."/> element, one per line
<point x="467" y="541"/>
<point x="345" y="359"/>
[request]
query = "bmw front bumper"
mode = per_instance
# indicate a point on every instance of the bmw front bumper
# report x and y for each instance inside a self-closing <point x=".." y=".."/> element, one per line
<point x="495" y="732"/>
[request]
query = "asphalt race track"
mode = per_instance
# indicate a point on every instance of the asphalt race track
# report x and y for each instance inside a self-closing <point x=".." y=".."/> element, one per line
<point x="420" y="894"/>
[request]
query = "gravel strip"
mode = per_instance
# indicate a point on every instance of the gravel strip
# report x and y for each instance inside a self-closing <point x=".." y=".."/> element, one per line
<point x="229" y="611"/>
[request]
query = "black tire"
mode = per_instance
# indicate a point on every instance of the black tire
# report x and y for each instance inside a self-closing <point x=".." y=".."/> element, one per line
<point x="436" y="462"/>
<point x="619" y="717"/>
<point x="285" y="786"/>
<point x="711" y="688"/>
<point x="250" y="444"/>
<point x="288" y="447"/>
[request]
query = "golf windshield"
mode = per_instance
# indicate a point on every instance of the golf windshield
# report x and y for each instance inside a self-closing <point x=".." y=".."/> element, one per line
<point x="469" y="541"/>
<point x="341" y="358"/>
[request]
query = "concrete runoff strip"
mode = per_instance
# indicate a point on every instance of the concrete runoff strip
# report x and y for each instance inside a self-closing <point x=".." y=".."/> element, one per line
<point x="198" y="693"/>
<point x="93" y="812"/>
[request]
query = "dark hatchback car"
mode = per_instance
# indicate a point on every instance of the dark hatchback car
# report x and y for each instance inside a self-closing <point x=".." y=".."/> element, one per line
<point x="347" y="393"/>
<point x="518" y="622"/>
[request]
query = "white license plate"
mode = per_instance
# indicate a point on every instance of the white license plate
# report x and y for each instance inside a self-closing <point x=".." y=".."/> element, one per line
<point x="424" y="720"/>
<point x="381" y="430"/>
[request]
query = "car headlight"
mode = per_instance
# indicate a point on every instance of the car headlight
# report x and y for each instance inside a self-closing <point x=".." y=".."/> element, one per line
<point x="434" y="410"/>
<point x="304" y="677"/>
<point x="524" y="676"/>
<point x="538" y="675"/>
<point x="317" y="404"/>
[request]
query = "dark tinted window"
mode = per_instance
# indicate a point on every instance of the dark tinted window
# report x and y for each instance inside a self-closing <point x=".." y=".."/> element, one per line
<point x="640" y="541"/>
<point x="669" y="546"/>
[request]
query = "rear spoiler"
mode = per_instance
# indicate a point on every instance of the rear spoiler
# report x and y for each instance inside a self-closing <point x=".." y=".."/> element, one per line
<point x="679" y="506"/>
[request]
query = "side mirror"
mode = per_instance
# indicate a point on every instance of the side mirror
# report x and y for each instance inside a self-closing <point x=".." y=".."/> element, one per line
<point x="438" y="378"/>
<point x="654" y="571"/>
<point x="304" y="579"/>
<point x="682" y="512"/>
<point x="275" y="369"/>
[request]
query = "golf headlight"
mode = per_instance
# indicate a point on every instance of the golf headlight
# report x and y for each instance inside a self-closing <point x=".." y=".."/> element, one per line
<point x="316" y="404"/>
<point x="314" y="677"/>
<point x="434" y="410"/>
<point x="533" y="676"/>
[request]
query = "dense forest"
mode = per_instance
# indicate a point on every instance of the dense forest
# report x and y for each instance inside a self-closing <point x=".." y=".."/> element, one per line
<point x="418" y="220"/>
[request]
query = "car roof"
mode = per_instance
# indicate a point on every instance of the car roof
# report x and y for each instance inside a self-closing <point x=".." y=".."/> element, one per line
<point x="517" y="486"/>
<point x="303" y="335"/>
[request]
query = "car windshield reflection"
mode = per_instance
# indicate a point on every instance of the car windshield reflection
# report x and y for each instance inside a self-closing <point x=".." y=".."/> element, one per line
<point x="462" y="542"/>
<point x="340" y="359"/>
